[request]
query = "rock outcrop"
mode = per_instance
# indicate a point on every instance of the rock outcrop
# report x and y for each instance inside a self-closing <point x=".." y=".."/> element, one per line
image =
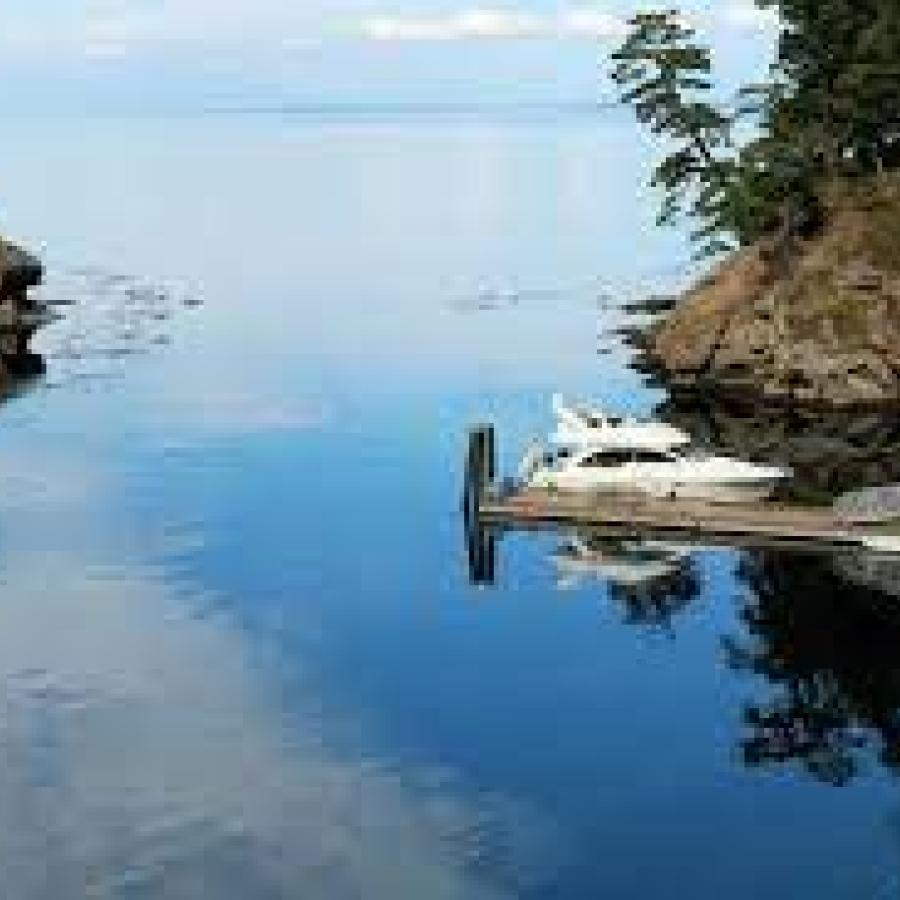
<point x="826" y="332"/>
<point x="20" y="314"/>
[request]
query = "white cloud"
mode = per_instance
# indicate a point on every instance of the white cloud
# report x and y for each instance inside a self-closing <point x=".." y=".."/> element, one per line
<point x="242" y="28"/>
<point x="476" y="23"/>
<point x="165" y="720"/>
<point x="493" y="24"/>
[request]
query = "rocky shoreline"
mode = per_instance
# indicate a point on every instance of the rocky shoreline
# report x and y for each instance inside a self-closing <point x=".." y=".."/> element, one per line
<point x="824" y="334"/>
<point x="20" y="313"/>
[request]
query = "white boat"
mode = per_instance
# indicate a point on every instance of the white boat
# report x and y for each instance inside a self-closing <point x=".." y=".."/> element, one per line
<point x="580" y="426"/>
<point x="660" y="473"/>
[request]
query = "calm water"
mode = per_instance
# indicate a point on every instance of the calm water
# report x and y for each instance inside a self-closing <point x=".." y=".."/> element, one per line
<point x="240" y="653"/>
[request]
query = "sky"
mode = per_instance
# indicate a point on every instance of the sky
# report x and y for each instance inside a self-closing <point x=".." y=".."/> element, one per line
<point x="184" y="53"/>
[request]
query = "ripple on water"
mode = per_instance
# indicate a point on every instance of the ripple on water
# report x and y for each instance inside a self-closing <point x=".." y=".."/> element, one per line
<point x="100" y="318"/>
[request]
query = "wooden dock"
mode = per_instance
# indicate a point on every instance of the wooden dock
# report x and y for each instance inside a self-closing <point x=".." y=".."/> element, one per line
<point x="493" y="506"/>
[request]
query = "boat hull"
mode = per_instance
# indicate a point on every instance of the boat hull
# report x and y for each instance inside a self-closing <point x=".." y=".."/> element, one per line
<point x="737" y="491"/>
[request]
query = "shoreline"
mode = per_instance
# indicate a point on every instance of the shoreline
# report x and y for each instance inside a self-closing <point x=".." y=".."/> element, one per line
<point x="820" y="333"/>
<point x="20" y="314"/>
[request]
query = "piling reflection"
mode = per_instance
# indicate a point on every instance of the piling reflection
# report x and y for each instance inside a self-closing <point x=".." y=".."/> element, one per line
<point x="651" y="581"/>
<point x="101" y="318"/>
<point x="481" y="551"/>
<point x="826" y="645"/>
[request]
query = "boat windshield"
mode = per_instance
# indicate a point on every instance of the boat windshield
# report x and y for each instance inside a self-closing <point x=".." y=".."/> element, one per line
<point x="653" y="456"/>
<point x="605" y="459"/>
<point x="609" y="458"/>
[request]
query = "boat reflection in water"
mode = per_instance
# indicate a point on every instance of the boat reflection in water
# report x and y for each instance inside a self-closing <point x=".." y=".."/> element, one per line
<point x="650" y="580"/>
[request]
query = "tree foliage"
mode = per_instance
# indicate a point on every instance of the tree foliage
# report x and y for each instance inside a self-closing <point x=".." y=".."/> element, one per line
<point x="829" y="110"/>
<point x="666" y="76"/>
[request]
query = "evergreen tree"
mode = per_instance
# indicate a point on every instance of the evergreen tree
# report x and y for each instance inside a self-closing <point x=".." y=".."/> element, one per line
<point x="830" y="110"/>
<point x="665" y="75"/>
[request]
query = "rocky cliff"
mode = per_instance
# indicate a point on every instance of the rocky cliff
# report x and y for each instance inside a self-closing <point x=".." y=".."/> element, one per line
<point x="823" y="331"/>
<point x="20" y="314"/>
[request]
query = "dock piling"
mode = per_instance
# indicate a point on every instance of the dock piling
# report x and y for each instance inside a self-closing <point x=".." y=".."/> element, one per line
<point x="481" y="469"/>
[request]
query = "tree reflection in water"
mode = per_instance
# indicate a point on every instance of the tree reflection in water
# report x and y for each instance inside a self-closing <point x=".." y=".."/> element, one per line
<point x="820" y="632"/>
<point x="827" y="644"/>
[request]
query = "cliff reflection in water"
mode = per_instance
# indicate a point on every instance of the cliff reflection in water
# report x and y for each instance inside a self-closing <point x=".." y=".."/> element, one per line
<point x="819" y="633"/>
<point x="823" y="632"/>
<point x="20" y="375"/>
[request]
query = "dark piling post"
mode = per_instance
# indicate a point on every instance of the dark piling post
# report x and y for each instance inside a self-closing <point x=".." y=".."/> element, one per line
<point x="490" y="455"/>
<point x="481" y="547"/>
<point x="481" y="468"/>
<point x="480" y="474"/>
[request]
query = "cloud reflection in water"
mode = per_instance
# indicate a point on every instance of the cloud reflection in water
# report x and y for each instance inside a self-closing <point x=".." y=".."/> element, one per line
<point x="140" y="751"/>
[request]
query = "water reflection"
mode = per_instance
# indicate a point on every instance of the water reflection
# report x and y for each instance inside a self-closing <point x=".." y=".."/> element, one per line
<point x="20" y="374"/>
<point x="818" y="632"/>
<point x="101" y="317"/>
<point x="90" y="318"/>
<point x="481" y="550"/>
<point x="145" y="760"/>
<point x="826" y="648"/>
<point x="243" y="691"/>
<point x="650" y="581"/>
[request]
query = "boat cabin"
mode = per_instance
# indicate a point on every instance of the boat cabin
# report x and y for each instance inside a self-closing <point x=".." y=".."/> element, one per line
<point x="607" y="459"/>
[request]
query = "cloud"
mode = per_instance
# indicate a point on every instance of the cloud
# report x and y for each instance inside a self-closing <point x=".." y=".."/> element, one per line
<point x="493" y="24"/>
<point x="577" y="22"/>
<point x="241" y="29"/>
<point x="152" y="728"/>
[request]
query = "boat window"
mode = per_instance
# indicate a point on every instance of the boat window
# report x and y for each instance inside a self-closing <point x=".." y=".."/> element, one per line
<point x="652" y="456"/>
<point x="607" y="459"/>
<point x="615" y="421"/>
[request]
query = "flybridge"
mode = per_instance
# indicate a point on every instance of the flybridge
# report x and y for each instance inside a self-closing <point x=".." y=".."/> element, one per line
<point x="581" y="426"/>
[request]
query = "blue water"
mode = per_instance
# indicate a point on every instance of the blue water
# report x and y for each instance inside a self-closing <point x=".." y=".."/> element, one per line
<point x="240" y="651"/>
